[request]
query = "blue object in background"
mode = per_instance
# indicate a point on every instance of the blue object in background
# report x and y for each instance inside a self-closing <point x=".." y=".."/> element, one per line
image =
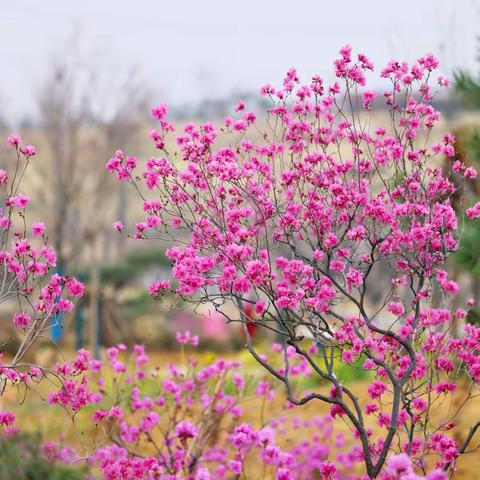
<point x="57" y="330"/>
<point x="79" y="326"/>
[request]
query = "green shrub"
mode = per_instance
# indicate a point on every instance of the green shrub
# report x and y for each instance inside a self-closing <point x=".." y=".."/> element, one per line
<point x="21" y="459"/>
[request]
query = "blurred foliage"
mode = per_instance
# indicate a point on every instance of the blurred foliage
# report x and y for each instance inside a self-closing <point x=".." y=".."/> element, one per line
<point x="346" y="373"/>
<point x="468" y="255"/>
<point x="468" y="88"/>
<point x="134" y="264"/>
<point x="10" y="346"/>
<point x="138" y="305"/>
<point x="352" y="373"/>
<point x="473" y="145"/>
<point x="473" y="316"/>
<point x="123" y="297"/>
<point x="21" y="459"/>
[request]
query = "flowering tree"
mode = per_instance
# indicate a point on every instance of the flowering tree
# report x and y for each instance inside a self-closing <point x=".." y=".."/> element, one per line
<point x="25" y="259"/>
<point x="298" y="222"/>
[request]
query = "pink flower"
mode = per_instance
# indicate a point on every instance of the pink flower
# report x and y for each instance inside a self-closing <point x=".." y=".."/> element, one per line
<point x="354" y="278"/>
<point x="437" y="474"/>
<point x="64" y="305"/>
<point x="115" y="412"/>
<point x="271" y="454"/>
<point x="235" y="467"/>
<point x="185" y="338"/>
<point x="260" y="307"/>
<point x="264" y="389"/>
<point x="160" y="112"/>
<point x="82" y="361"/>
<point x="75" y="288"/>
<point x="376" y="389"/>
<point x="444" y="387"/>
<point x="399" y="463"/>
<point x="28" y="150"/>
<point x="331" y="240"/>
<point x="368" y="364"/>
<point x="474" y="212"/>
<point x="243" y="436"/>
<point x="337" y="410"/>
<point x="238" y="381"/>
<point x="396" y="308"/>
<point x="118" y="226"/>
<point x="35" y="372"/>
<point x="7" y="418"/>
<point x="21" y="320"/>
<point x="96" y="366"/>
<point x="470" y="172"/>
<point x="442" y="81"/>
<point x="240" y="106"/>
<point x="3" y="176"/>
<point x="158" y="288"/>
<point x="368" y="98"/>
<point x="327" y="470"/>
<point x="14" y="140"/>
<point x="38" y="229"/>
<point x="337" y="265"/>
<point x="420" y="404"/>
<point x="185" y="429"/>
<point x="19" y="201"/>
<point x="98" y="416"/>
<point x="348" y="356"/>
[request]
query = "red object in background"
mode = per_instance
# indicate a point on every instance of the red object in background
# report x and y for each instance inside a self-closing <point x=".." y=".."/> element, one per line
<point x="252" y="325"/>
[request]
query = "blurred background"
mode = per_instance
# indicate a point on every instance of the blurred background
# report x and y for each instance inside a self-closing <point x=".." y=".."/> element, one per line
<point x="78" y="82"/>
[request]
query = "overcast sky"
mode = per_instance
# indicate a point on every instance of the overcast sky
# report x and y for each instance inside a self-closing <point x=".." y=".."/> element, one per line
<point x="187" y="50"/>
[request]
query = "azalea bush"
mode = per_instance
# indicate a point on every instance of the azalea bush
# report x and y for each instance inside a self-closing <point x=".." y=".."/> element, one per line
<point x="186" y="420"/>
<point x="38" y="298"/>
<point x="191" y="420"/>
<point x="295" y="216"/>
